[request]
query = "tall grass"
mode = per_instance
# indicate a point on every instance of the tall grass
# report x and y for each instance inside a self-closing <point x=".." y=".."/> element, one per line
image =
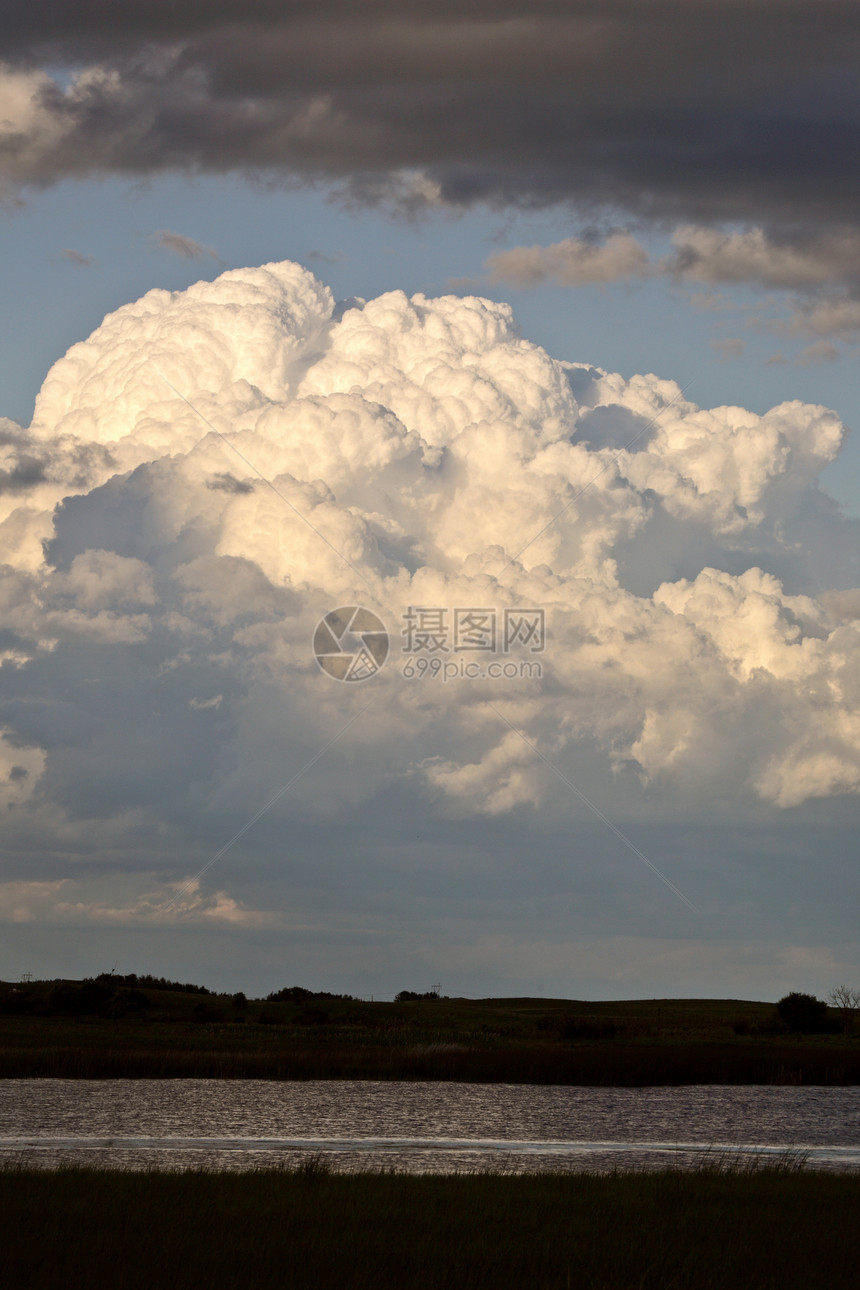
<point x="717" y="1227"/>
<point x="594" y="1063"/>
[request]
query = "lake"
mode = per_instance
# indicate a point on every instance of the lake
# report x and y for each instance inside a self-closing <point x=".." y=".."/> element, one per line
<point x="418" y="1127"/>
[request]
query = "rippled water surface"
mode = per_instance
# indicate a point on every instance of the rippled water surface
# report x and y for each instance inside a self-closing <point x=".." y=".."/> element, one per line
<point x="419" y="1127"/>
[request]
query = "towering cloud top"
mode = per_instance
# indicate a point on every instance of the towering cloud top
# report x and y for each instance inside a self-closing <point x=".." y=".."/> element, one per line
<point x="213" y="470"/>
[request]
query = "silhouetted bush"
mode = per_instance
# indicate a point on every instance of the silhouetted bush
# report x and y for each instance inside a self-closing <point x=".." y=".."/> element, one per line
<point x="239" y="1000"/>
<point x="410" y="996"/>
<point x="804" y="1014"/>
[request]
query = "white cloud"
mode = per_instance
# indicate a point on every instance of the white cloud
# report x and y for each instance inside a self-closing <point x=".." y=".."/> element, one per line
<point x="400" y="454"/>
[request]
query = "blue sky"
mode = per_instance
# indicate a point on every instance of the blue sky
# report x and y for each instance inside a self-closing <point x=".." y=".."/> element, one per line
<point x="648" y="206"/>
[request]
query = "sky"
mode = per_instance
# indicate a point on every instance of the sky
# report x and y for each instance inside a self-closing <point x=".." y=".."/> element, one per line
<point x="429" y="502"/>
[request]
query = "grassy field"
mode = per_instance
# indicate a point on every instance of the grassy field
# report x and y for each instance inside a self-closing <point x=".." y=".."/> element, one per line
<point x="765" y="1229"/>
<point x="57" y="1029"/>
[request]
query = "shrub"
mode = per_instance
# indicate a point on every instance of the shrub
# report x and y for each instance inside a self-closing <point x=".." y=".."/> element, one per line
<point x="803" y="1013"/>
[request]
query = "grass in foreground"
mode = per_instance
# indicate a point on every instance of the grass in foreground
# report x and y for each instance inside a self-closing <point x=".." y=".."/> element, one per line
<point x="308" y="1228"/>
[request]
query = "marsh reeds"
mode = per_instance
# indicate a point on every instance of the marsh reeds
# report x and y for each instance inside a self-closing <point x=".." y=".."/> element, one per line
<point x="589" y="1063"/>
<point x="725" y="1224"/>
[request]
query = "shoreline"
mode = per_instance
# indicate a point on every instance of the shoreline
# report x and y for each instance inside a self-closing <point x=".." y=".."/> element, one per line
<point x="72" y="1030"/>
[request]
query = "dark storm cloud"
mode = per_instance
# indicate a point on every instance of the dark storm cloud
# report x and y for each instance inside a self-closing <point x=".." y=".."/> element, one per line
<point x="674" y="109"/>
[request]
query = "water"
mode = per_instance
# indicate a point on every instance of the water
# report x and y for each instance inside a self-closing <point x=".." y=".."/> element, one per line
<point x="418" y="1127"/>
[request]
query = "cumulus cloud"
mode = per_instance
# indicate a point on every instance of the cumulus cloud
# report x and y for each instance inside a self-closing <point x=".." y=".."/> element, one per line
<point x="612" y="105"/>
<point x="221" y="466"/>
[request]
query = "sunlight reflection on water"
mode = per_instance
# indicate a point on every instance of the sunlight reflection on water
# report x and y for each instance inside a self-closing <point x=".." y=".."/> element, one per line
<point x="419" y="1127"/>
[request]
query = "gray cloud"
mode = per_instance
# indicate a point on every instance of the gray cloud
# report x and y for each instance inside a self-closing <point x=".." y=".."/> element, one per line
<point x="185" y="247"/>
<point x="575" y="262"/>
<point x="77" y="258"/>
<point x="227" y="483"/>
<point x="685" y="109"/>
<point x="728" y="347"/>
<point x="820" y="269"/>
<point x="701" y="255"/>
<point x="821" y="351"/>
<point x="26" y="472"/>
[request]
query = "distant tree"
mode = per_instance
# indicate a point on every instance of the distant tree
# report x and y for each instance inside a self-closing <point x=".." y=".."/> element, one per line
<point x="411" y="996"/>
<point x="298" y="994"/>
<point x="847" y="1003"/>
<point x="803" y="1013"/>
<point x="240" y="1000"/>
<point x="151" y="983"/>
<point x="87" y="999"/>
<point x="290" y="994"/>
